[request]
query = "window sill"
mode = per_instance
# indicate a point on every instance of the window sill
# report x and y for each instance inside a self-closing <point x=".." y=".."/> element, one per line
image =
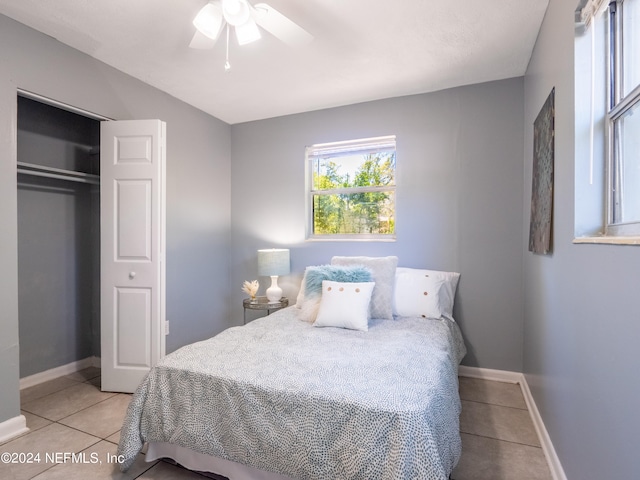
<point x="351" y="238"/>
<point x="608" y="240"/>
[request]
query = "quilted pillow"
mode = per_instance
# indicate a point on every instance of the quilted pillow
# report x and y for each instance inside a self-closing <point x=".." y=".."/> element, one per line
<point x="424" y="293"/>
<point x="383" y="271"/>
<point x="311" y="289"/>
<point x="345" y="305"/>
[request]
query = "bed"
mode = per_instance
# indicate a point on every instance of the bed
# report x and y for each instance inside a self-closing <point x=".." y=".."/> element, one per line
<point x="280" y="398"/>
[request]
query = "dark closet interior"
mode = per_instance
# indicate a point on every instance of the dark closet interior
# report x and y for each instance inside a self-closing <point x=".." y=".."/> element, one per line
<point x="58" y="236"/>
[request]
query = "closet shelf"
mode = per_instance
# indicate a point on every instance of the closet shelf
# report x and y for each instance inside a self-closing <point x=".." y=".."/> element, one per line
<point x="59" y="173"/>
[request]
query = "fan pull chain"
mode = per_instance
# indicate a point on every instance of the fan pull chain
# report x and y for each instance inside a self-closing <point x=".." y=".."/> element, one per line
<point x="227" y="65"/>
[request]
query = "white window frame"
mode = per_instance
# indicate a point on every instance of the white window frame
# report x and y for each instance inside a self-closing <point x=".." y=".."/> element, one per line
<point x="324" y="150"/>
<point x="597" y="109"/>
<point x="618" y="105"/>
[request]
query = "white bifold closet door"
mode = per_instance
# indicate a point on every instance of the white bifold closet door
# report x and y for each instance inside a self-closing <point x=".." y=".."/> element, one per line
<point x="132" y="204"/>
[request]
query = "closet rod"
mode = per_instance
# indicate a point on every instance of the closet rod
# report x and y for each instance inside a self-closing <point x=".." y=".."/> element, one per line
<point x="63" y="106"/>
<point x="50" y="172"/>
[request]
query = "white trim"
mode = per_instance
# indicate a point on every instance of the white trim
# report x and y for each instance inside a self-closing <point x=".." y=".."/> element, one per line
<point x="590" y="10"/>
<point x="610" y="240"/>
<point x="12" y="428"/>
<point x="489" y="374"/>
<point x="60" y="371"/>
<point x="387" y="142"/>
<point x="354" y="237"/>
<point x="557" y="472"/>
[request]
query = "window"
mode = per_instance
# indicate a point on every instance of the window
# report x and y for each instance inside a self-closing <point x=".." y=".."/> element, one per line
<point x="352" y="189"/>
<point x="623" y="117"/>
<point x="607" y="122"/>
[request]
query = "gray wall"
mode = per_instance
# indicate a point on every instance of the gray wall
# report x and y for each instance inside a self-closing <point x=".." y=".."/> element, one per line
<point x="463" y="204"/>
<point x="198" y="185"/>
<point x="459" y="200"/>
<point x="582" y="308"/>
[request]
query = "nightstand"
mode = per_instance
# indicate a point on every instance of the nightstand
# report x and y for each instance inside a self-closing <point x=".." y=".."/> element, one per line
<point x="261" y="303"/>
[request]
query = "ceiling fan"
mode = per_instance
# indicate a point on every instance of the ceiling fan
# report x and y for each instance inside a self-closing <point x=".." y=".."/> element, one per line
<point x="244" y="18"/>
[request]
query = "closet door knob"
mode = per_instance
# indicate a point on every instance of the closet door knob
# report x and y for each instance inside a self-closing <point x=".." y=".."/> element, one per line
<point x="132" y="275"/>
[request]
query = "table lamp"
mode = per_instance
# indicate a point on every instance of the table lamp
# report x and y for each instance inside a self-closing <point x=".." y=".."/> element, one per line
<point x="271" y="263"/>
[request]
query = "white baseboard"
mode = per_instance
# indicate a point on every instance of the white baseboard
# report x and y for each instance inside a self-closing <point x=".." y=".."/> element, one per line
<point x="557" y="472"/>
<point x="60" y="371"/>
<point x="488" y="374"/>
<point x="12" y="428"/>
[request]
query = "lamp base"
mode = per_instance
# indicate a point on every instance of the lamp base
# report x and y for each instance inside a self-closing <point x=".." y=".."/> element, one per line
<point x="274" y="292"/>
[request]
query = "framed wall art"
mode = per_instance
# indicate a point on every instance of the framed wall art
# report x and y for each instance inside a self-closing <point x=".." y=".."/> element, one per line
<point x="541" y="221"/>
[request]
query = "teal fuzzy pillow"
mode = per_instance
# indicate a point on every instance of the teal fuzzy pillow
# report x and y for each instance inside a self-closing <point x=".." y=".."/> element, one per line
<point x="311" y="291"/>
<point x="335" y="273"/>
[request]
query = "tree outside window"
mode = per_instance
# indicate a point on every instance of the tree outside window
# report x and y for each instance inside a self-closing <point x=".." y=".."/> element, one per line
<point x="352" y="192"/>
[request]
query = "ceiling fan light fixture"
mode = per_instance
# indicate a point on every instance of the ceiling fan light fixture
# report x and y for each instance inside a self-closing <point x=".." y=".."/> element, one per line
<point x="247" y="32"/>
<point x="236" y="12"/>
<point x="209" y="20"/>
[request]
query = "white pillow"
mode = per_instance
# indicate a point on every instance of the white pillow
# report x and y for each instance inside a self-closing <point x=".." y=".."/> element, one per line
<point x="383" y="272"/>
<point x="424" y="293"/>
<point x="311" y="288"/>
<point x="300" y="297"/>
<point x="345" y="305"/>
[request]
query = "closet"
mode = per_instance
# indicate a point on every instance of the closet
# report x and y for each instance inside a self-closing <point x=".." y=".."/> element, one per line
<point x="58" y="236"/>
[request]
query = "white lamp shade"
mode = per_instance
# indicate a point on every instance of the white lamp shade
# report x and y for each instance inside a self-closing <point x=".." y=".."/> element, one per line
<point x="247" y="32"/>
<point x="274" y="261"/>
<point x="208" y="21"/>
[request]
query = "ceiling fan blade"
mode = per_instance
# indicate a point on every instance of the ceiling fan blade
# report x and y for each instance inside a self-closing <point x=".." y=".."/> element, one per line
<point x="201" y="41"/>
<point x="280" y="26"/>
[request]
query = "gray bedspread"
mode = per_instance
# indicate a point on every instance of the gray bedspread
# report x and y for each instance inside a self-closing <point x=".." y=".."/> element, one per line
<point x="311" y="403"/>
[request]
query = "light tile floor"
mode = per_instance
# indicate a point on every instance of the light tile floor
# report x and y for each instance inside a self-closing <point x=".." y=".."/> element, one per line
<point x="499" y="441"/>
<point x="71" y="415"/>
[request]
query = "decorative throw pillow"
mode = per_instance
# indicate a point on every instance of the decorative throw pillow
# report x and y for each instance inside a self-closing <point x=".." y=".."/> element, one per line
<point x="300" y="297"/>
<point x="427" y="293"/>
<point x="383" y="271"/>
<point x="311" y="287"/>
<point x="345" y="305"/>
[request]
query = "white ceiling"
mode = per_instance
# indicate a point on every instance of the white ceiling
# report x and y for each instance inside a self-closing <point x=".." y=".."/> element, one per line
<point x="363" y="49"/>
